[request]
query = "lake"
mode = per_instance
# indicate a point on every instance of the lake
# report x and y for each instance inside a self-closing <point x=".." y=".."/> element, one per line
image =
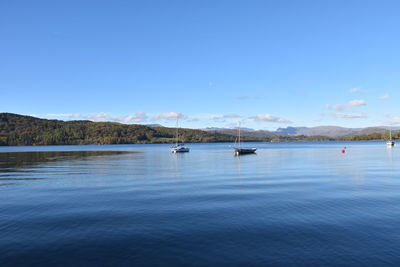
<point x="291" y="204"/>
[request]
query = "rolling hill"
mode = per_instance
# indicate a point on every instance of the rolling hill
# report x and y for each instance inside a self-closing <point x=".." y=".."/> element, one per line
<point x="26" y="130"/>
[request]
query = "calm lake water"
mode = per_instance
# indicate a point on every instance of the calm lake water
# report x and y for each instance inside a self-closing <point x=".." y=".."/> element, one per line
<point x="291" y="204"/>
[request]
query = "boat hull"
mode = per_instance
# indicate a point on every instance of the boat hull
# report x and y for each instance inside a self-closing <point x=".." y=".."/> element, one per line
<point x="390" y="143"/>
<point x="242" y="151"/>
<point x="180" y="149"/>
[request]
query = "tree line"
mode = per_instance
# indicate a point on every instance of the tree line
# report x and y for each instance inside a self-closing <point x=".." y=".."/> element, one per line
<point x="18" y="130"/>
<point x="372" y="136"/>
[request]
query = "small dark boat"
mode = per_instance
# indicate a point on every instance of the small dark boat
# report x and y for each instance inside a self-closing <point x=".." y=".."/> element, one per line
<point x="241" y="150"/>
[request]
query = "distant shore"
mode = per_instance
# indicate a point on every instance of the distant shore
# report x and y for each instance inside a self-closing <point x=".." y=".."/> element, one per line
<point x="20" y="130"/>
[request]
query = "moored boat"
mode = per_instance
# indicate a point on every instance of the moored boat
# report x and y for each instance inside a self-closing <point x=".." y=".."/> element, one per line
<point x="179" y="147"/>
<point x="241" y="150"/>
<point x="390" y="142"/>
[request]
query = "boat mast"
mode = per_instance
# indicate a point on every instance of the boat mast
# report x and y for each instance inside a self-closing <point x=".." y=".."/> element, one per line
<point x="239" y="134"/>
<point x="390" y="133"/>
<point x="177" y="134"/>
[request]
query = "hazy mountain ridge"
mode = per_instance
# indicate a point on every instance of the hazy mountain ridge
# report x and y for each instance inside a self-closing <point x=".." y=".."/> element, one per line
<point x="243" y="131"/>
<point x="328" y="131"/>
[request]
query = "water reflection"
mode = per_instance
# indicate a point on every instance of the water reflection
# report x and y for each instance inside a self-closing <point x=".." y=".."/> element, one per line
<point x="11" y="161"/>
<point x="239" y="169"/>
<point x="283" y="206"/>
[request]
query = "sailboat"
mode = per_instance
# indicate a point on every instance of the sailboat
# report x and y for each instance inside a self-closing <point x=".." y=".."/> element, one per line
<point x="179" y="147"/>
<point x="390" y="142"/>
<point x="239" y="150"/>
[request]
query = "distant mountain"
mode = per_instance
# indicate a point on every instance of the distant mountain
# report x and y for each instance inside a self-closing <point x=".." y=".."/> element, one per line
<point x="379" y="129"/>
<point x="330" y="131"/>
<point x="247" y="132"/>
<point x="327" y="131"/>
<point x="289" y="131"/>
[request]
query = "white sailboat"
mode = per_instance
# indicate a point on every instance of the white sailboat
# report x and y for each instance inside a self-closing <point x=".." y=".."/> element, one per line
<point x="239" y="150"/>
<point x="390" y="142"/>
<point x="179" y="147"/>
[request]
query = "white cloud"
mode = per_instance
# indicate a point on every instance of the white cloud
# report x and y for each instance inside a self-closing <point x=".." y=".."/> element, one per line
<point x="138" y="117"/>
<point x="385" y="96"/>
<point x="103" y="116"/>
<point x="357" y="90"/>
<point x="349" y="105"/>
<point x="215" y="117"/>
<point x="339" y="107"/>
<point x="75" y="115"/>
<point x="222" y="118"/>
<point x="350" y="115"/>
<point x="169" y="116"/>
<point x="357" y="102"/>
<point x="68" y="115"/>
<point x="269" y="118"/>
<point x="231" y="116"/>
<point x="392" y="119"/>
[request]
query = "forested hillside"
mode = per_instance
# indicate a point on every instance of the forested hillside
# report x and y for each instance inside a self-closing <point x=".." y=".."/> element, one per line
<point x="26" y="130"/>
<point x="372" y="136"/>
<point x="18" y="130"/>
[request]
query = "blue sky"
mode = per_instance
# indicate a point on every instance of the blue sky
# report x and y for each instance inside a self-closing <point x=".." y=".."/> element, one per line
<point x="268" y="64"/>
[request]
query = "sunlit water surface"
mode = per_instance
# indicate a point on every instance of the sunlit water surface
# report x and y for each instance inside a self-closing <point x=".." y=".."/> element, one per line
<point x="291" y="204"/>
